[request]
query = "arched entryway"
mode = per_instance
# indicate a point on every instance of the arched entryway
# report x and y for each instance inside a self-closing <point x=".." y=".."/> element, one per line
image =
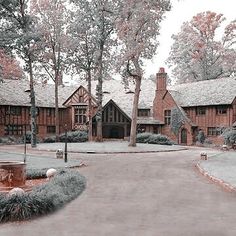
<point x="183" y="138"/>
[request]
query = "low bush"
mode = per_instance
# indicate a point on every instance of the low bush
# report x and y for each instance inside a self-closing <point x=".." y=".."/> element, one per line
<point x="159" y="139"/>
<point x="51" y="139"/>
<point x="153" y="139"/>
<point x="74" y="137"/>
<point x="143" y="137"/>
<point x="43" y="199"/>
<point x="229" y="136"/>
<point x="200" y="137"/>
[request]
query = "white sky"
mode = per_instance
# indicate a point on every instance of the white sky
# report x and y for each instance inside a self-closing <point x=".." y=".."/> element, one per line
<point x="184" y="10"/>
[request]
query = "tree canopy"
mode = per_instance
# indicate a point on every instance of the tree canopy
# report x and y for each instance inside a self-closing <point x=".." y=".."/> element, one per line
<point x="198" y="53"/>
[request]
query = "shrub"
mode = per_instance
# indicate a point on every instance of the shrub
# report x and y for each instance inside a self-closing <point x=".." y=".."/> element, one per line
<point x="159" y="139"/>
<point x="28" y="138"/>
<point x="201" y="137"/>
<point x="229" y="136"/>
<point x="143" y="137"/>
<point x="42" y="199"/>
<point x="51" y="139"/>
<point x="153" y="139"/>
<point x="74" y="137"/>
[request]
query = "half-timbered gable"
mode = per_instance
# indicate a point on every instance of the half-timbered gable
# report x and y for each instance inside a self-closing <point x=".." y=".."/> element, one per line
<point x="77" y="105"/>
<point x="116" y="124"/>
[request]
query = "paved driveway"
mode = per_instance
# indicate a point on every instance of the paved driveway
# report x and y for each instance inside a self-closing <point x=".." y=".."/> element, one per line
<point x="154" y="194"/>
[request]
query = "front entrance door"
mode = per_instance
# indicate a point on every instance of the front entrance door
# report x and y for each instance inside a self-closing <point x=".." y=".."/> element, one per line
<point x="184" y="136"/>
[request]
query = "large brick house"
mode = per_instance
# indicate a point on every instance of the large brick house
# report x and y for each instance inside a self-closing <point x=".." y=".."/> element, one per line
<point x="209" y="106"/>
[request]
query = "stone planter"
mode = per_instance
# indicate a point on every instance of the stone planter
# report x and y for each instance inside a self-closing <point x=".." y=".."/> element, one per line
<point x="12" y="174"/>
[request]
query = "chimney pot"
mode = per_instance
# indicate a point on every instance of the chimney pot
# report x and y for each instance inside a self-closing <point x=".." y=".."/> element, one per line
<point x="161" y="70"/>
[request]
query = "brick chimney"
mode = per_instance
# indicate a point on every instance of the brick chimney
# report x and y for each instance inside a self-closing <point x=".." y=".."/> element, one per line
<point x="161" y="79"/>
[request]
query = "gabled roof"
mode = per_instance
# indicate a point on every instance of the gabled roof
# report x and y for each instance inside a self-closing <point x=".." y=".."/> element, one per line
<point x="115" y="90"/>
<point x="205" y="93"/>
<point x="118" y="108"/>
<point x="14" y="92"/>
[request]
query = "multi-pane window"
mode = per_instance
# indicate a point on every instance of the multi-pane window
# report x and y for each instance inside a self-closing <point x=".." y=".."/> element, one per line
<point x="50" y="112"/>
<point x="200" y="111"/>
<point x="16" y="111"/>
<point x="214" y="131"/>
<point x="143" y="112"/>
<point x="220" y="110"/>
<point x="13" y="129"/>
<point x="167" y="116"/>
<point x="51" y="129"/>
<point x="80" y="115"/>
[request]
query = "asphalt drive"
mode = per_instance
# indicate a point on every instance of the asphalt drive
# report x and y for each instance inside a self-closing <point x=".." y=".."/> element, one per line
<point x="146" y="194"/>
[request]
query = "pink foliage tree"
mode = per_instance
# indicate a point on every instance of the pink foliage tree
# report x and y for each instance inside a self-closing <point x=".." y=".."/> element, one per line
<point x="9" y="67"/>
<point x="198" y="54"/>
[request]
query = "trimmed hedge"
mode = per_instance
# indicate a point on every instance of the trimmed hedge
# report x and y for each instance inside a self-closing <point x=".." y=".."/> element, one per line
<point x="43" y="199"/>
<point x="72" y="137"/>
<point x="153" y="139"/>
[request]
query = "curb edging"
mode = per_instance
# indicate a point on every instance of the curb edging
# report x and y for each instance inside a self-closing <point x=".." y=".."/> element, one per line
<point x="214" y="179"/>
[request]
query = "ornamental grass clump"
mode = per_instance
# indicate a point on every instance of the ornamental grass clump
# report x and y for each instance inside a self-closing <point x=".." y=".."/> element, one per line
<point x="43" y="199"/>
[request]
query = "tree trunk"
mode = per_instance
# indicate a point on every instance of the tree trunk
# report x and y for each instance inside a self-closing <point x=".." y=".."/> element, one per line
<point x="56" y="109"/>
<point x="90" y="134"/>
<point x="99" y="97"/>
<point x="138" y="79"/>
<point x="133" y="131"/>
<point x="99" y="112"/>
<point x="33" y="106"/>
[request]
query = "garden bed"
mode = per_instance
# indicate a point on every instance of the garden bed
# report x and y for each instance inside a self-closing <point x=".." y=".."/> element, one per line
<point x="45" y="196"/>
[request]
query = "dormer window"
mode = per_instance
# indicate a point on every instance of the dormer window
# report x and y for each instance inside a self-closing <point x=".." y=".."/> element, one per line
<point x="143" y="112"/>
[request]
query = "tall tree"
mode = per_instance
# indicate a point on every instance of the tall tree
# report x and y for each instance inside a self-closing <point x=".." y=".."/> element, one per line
<point x="198" y="54"/>
<point x="82" y="53"/>
<point x="138" y="27"/>
<point x="52" y="22"/>
<point x="9" y="67"/>
<point x="101" y="17"/>
<point x="18" y="34"/>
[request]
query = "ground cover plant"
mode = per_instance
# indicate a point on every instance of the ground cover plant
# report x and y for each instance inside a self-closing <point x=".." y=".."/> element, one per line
<point x="65" y="186"/>
<point x="153" y="139"/>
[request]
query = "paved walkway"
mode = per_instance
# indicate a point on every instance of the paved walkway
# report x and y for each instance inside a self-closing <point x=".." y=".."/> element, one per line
<point x="147" y="194"/>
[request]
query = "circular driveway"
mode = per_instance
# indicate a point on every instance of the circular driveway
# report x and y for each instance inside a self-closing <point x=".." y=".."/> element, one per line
<point x="146" y="194"/>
